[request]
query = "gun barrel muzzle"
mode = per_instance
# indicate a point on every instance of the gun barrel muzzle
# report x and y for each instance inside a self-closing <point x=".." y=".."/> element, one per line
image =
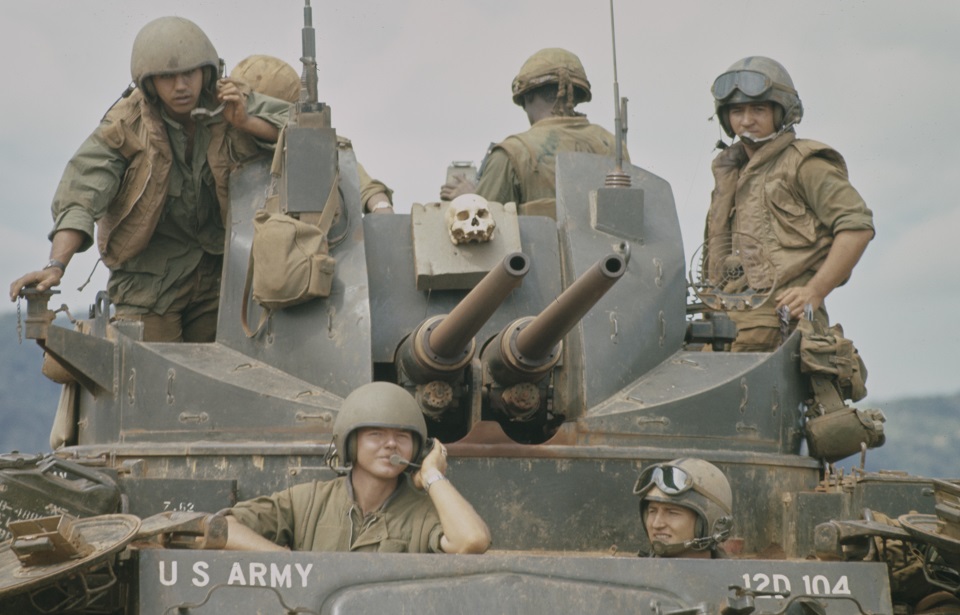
<point x="537" y="339"/>
<point x="456" y="330"/>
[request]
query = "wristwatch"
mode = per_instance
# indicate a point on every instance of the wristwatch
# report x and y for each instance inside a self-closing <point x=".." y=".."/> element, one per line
<point x="55" y="263"/>
<point x="379" y="205"/>
<point x="430" y="479"/>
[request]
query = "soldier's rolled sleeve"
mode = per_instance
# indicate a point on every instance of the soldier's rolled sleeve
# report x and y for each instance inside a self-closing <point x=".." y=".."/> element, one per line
<point x="269" y="515"/>
<point x="271" y="110"/>
<point x="88" y="184"/>
<point x="370" y="186"/>
<point x="836" y="203"/>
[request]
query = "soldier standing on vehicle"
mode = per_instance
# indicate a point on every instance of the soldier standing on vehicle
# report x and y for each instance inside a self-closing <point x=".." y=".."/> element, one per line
<point x="522" y="168"/>
<point x="789" y="196"/>
<point x="378" y="505"/>
<point x="274" y="77"/>
<point x="153" y="177"/>
<point x="686" y="508"/>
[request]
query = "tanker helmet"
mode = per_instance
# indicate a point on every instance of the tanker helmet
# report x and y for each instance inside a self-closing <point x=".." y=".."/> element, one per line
<point x="172" y="45"/>
<point x="376" y="404"/>
<point x="269" y="75"/>
<point x="696" y="485"/>
<point x="757" y="79"/>
<point x="557" y="66"/>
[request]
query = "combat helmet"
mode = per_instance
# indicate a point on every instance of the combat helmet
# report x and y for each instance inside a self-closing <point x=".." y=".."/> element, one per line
<point x="553" y="65"/>
<point x="269" y="75"/>
<point x="697" y="485"/>
<point x="172" y="45"/>
<point x="376" y="404"/>
<point x="757" y="79"/>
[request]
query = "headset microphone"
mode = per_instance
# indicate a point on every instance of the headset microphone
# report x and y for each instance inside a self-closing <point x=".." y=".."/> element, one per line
<point x="397" y="460"/>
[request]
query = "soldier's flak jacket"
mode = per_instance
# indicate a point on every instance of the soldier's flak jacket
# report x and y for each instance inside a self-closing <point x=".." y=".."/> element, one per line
<point x="134" y="128"/>
<point x="767" y="199"/>
<point x="531" y="156"/>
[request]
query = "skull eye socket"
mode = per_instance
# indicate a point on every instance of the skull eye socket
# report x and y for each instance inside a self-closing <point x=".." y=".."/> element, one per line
<point x="483" y="213"/>
<point x="463" y="214"/>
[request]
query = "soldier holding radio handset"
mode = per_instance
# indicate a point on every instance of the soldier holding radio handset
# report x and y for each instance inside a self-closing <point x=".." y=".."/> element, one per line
<point x="378" y="505"/>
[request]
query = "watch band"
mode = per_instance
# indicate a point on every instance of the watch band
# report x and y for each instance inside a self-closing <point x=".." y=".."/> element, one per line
<point x="433" y="478"/>
<point x="379" y="205"/>
<point x="54" y="263"/>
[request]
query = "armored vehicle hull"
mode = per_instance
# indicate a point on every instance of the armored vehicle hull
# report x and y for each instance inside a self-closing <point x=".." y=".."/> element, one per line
<point x="572" y="366"/>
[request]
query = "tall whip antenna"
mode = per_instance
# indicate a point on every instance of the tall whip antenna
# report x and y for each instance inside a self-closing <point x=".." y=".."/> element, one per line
<point x="617" y="178"/>
<point x="309" y="59"/>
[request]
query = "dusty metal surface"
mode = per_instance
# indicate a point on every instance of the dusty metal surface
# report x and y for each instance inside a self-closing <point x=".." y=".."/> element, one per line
<point x="214" y="582"/>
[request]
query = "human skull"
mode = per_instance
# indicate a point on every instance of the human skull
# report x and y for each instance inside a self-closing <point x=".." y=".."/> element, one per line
<point x="469" y="220"/>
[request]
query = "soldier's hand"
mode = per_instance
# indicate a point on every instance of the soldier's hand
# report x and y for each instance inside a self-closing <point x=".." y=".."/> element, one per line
<point x="459" y="185"/>
<point x="795" y="299"/>
<point x="44" y="279"/>
<point x="235" y="96"/>
<point x="436" y="461"/>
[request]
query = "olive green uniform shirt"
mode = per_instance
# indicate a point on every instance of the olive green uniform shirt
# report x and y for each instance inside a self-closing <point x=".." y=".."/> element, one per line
<point x="323" y="516"/>
<point x="189" y="226"/>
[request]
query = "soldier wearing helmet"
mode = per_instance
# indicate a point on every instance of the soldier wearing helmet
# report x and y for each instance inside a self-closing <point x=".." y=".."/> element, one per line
<point x="789" y="197"/>
<point x="686" y="508"/>
<point x="153" y="178"/>
<point x="522" y="168"/>
<point x="274" y="77"/>
<point x="377" y="505"/>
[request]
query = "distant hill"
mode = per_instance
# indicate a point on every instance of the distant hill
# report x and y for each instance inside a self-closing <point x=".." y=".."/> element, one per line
<point x="28" y="400"/>
<point x="923" y="437"/>
<point x="923" y="434"/>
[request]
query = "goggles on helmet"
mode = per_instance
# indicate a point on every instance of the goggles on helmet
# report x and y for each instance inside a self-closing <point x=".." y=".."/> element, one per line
<point x="669" y="479"/>
<point x="749" y="82"/>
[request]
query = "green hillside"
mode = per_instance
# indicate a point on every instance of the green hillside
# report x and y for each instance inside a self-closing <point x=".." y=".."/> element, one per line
<point x="923" y="434"/>
<point x="28" y="400"/>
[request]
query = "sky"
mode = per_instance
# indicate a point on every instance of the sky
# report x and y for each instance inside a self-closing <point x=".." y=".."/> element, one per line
<point x="416" y="84"/>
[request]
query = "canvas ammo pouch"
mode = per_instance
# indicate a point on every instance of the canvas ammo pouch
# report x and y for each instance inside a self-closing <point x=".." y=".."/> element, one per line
<point x="289" y="261"/>
<point x="833" y="429"/>
<point x="838" y="434"/>
<point x="831" y="354"/>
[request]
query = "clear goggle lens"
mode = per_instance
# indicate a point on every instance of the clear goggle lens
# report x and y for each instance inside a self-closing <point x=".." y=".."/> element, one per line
<point x="749" y="82"/>
<point x="669" y="479"/>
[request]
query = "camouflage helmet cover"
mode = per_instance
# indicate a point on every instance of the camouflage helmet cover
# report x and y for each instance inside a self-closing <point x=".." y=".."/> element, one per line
<point x="171" y="45"/>
<point x="708" y="495"/>
<point x="552" y="65"/>
<point x="269" y="75"/>
<point x="777" y="87"/>
<point x="377" y="404"/>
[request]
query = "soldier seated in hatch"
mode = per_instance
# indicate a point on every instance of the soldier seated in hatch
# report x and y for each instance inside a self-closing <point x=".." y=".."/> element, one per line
<point x="686" y="507"/>
<point x="377" y="506"/>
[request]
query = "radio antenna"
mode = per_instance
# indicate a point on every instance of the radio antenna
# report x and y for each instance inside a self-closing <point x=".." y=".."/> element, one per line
<point x="617" y="178"/>
<point x="309" y="59"/>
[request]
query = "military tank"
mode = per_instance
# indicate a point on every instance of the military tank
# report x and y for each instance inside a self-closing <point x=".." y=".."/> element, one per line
<point x="555" y="359"/>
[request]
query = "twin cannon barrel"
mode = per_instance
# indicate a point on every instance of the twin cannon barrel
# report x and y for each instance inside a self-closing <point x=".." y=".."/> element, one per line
<point x="523" y="353"/>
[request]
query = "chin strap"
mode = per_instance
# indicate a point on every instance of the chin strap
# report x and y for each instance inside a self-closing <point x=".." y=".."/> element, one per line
<point x="722" y="532"/>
